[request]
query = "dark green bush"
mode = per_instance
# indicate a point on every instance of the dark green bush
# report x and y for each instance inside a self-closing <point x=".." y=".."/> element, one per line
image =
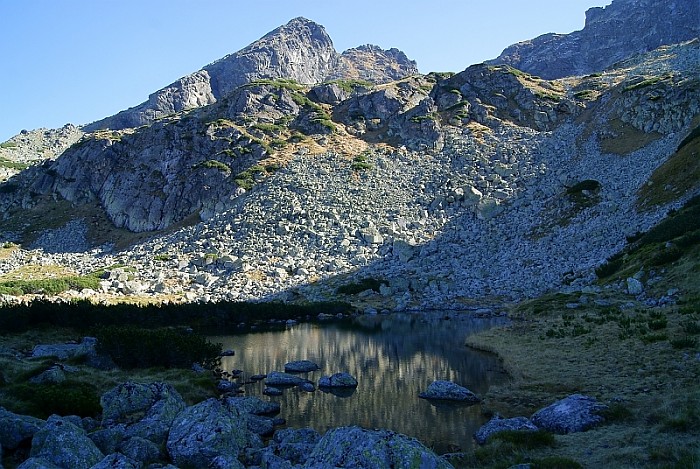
<point x="222" y="316"/>
<point x="609" y="267"/>
<point x="67" y="398"/>
<point x="362" y="285"/>
<point x="587" y="185"/>
<point x="616" y="412"/>
<point x="667" y="255"/>
<point x="132" y="347"/>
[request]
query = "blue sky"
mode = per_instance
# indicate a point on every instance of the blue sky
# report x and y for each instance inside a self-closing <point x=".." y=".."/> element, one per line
<point x="81" y="60"/>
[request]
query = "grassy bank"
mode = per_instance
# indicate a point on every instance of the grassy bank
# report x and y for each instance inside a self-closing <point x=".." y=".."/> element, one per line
<point x="643" y="361"/>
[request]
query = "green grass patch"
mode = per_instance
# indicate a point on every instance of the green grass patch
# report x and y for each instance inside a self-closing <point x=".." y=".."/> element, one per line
<point x="5" y="163"/>
<point x="213" y="164"/>
<point x="49" y="286"/>
<point x="525" y="439"/>
<point x="8" y="145"/>
<point x="66" y="398"/>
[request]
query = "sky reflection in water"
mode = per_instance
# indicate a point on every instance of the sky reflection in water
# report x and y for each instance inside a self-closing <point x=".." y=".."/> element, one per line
<point x="394" y="358"/>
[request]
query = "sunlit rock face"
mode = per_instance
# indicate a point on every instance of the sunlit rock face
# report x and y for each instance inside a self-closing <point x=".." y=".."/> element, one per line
<point x="300" y="50"/>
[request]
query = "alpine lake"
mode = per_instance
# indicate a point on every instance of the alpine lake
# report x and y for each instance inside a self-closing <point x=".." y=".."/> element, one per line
<point x="393" y="357"/>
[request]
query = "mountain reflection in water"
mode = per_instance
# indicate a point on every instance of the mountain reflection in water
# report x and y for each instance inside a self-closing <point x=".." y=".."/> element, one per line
<point x="393" y="357"/>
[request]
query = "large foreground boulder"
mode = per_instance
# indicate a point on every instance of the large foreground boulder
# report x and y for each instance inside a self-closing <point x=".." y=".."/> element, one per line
<point x="449" y="391"/>
<point x="147" y="410"/>
<point x="499" y="424"/>
<point x="354" y="447"/>
<point x="65" y="445"/>
<point x="576" y="413"/>
<point x="14" y="428"/>
<point x="208" y="433"/>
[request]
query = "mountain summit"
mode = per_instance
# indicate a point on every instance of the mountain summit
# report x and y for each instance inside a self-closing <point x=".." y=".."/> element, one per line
<point x="300" y="50"/>
<point x="622" y="29"/>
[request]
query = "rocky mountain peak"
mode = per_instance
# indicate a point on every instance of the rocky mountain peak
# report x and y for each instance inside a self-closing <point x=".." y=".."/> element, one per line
<point x="300" y="50"/>
<point x="374" y="64"/>
<point x="612" y="33"/>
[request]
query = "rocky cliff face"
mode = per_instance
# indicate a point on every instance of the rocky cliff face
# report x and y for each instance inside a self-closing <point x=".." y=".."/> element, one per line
<point x="301" y="51"/>
<point x="613" y="33"/>
<point x="447" y="185"/>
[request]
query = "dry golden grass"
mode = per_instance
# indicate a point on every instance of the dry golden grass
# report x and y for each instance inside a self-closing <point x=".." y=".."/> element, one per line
<point x="611" y="360"/>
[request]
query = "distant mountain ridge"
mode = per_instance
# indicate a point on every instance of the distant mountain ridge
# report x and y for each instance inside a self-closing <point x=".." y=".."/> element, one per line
<point x="300" y="50"/>
<point x="612" y="33"/>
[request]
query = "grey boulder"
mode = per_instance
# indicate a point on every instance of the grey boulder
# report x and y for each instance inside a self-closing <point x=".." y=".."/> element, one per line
<point x="576" y="413"/>
<point x="207" y="431"/>
<point x="37" y="463"/>
<point x="338" y="380"/>
<point x="147" y="410"/>
<point x="300" y="366"/>
<point x="354" y="447"/>
<point x="276" y="378"/>
<point x="116" y="461"/>
<point x="447" y="390"/>
<point x="14" y="428"/>
<point x="65" y="445"/>
<point x="499" y="424"/>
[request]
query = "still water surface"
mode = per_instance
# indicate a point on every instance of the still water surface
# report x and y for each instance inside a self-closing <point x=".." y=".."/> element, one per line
<point x="393" y="357"/>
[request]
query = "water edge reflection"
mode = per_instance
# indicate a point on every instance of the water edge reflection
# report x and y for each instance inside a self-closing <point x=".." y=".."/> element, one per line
<point x="393" y="357"/>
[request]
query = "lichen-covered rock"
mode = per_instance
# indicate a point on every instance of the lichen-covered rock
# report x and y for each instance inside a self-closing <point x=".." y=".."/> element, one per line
<point x="208" y="430"/>
<point x="66" y="351"/>
<point x="14" y="428"/>
<point x="447" y="390"/>
<point x="117" y="461"/>
<point x="575" y="413"/>
<point x="108" y="439"/>
<point x="253" y="405"/>
<point x="338" y="380"/>
<point x="65" y="445"/>
<point x="354" y="447"/>
<point x="499" y="424"/>
<point x="38" y="463"/>
<point x="294" y="445"/>
<point x="140" y="449"/>
<point x="148" y="410"/>
<point x="300" y="366"/>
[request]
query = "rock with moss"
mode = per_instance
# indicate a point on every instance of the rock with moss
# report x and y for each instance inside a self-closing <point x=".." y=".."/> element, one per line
<point x="293" y="445"/>
<point x="575" y="413"/>
<point x="66" y="351"/>
<point x="141" y="450"/>
<point x="147" y="410"/>
<point x="65" y="445"/>
<point x="207" y="431"/>
<point x="449" y="391"/>
<point x="354" y="447"/>
<point x="499" y="424"/>
<point x="117" y="461"/>
<point x="14" y="428"/>
<point x="38" y="463"/>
